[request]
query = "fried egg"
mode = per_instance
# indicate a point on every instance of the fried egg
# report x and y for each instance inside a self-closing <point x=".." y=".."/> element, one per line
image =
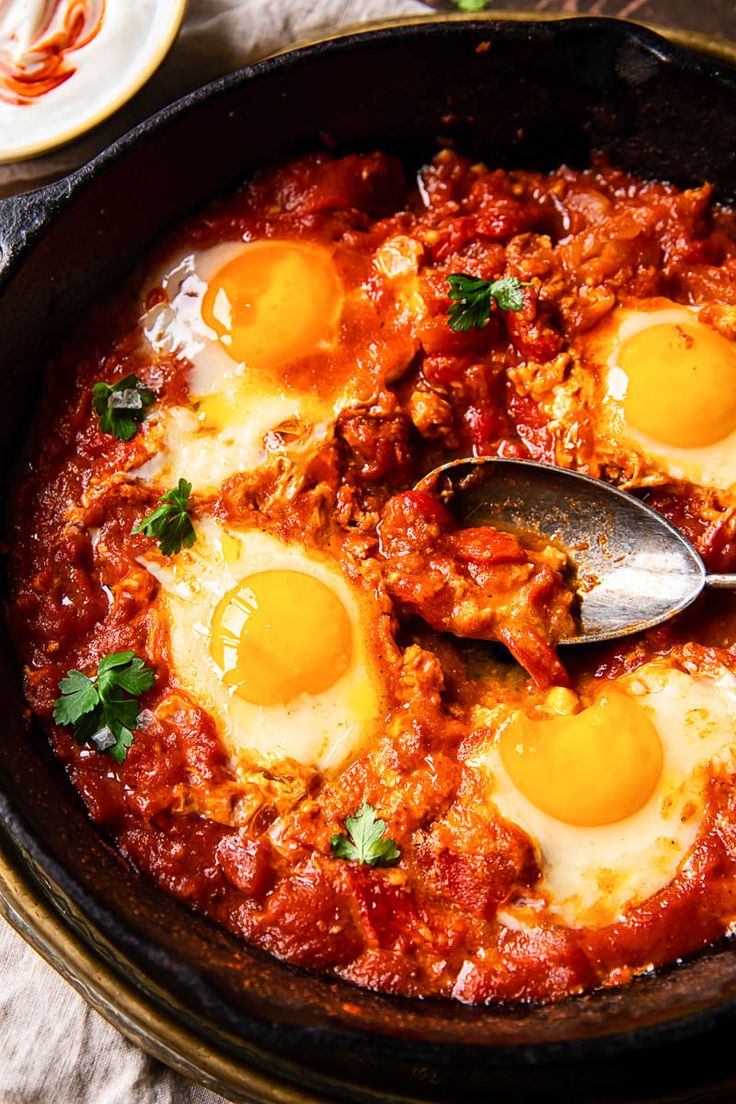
<point x="239" y="312"/>
<point x="669" y="385"/>
<point x="275" y="643"/>
<point x="613" y="796"/>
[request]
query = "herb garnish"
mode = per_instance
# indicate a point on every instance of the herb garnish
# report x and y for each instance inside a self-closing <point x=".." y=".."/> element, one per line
<point x="472" y="5"/>
<point x="170" y="521"/>
<point x="472" y="298"/>
<point x="122" y="405"/>
<point x="367" y="843"/>
<point x="104" y="709"/>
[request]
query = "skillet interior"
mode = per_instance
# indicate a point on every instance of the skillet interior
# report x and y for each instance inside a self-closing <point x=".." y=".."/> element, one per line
<point x="539" y="94"/>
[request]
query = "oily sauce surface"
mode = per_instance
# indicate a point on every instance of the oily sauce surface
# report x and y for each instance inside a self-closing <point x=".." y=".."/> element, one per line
<point x="464" y="912"/>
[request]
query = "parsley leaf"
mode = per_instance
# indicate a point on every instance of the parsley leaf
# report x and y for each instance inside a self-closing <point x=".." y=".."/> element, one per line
<point x="122" y="405"/>
<point x="99" y="709"/>
<point x="472" y="5"/>
<point x="170" y="521"/>
<point x="472" y="298"/>
<point x="126" y="670"/>
<point x="508" y="294"/>
<point x="79" y="696"/>
<point x="366" y="842"/>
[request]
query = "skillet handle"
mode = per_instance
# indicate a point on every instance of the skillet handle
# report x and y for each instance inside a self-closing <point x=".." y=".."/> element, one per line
<point x="22" y="219"/>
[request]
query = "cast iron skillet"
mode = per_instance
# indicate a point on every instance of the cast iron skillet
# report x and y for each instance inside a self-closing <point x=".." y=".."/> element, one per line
<point x="529" y="95"/>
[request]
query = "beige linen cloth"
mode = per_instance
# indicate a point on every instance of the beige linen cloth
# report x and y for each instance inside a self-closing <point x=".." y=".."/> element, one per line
<point x="53" y="1048"/>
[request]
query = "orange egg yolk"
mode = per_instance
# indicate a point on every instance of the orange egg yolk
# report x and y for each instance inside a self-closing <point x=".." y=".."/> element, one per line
<point x="681" y="384"/>
<point x="279" y="634"/>
<point x="595" y="768"/>
<point x="274" y="302"/>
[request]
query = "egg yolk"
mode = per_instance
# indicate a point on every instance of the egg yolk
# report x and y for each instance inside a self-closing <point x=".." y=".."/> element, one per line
<point x="275" y="301"/>
<point x="279" y="634"/>
<point x="595" y="768"/>
<point x="681" y="383"/>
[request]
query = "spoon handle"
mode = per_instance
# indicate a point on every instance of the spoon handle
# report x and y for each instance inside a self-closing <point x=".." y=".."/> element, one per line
<point x="722" y="582"/>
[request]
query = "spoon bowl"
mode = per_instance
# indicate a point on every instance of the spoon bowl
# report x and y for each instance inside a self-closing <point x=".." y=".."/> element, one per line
<point x="633" y="568"/>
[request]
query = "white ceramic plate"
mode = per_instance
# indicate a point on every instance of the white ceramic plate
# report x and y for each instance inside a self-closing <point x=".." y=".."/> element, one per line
<point x="134" y="38"/>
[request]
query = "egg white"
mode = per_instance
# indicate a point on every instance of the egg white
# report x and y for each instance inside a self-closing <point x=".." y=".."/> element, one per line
<point x="591" y="875"/>
<point x="186" y="446"/>
<point x="322" y="730"/>
<point x="710" y="466"/>
<point x="186" y="441"/>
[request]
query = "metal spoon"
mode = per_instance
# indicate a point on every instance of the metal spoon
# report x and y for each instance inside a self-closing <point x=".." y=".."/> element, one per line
<point x="634" y="569"/>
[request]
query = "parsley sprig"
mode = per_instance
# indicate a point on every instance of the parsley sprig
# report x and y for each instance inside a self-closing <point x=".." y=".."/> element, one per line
<point x="472" y="298"/>
<point x="122" y="406"/>
<point x="104" y="709"/>
<point x="365" y="841"/>
<point x="170" y="521"/>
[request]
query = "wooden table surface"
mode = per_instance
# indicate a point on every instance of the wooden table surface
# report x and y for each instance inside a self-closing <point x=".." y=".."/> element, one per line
<point x="710" y="17"/>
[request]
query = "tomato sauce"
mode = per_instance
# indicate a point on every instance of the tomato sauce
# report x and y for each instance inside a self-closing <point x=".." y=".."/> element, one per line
<point x="255" y="854"/>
